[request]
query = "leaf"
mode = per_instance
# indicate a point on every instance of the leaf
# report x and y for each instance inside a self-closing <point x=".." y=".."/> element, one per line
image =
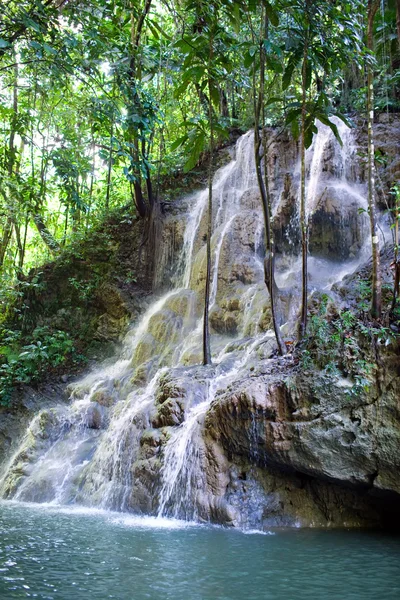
<point x="273" y="100"/>
<point x="248" y="60"/>
<point x="308" y="75"/>
<point x="287" y="76"/>
<point x="193" y="74"/>
<point x="195" y="154"/>
<point x="153" y="30"/>
<point x="295" y="129"/>
<point x="325" y="120"/>
<point x="160" y="29"/>
<point x="347" y="121"/>
<point x="272" y="13"/>
<point x="31" y="24"/>
<point x="221" y="131"/>
<point x="183" y="45"/>
<point x="253" y="50"/>
<point x="4" y="43"/>
<point x="308" y="137"/>
<point x="147" y="77"/>
<point x="292" y="115"/>
<point x="180" y="90"/>
<point x="215" y="97"/>
<point x="236" y="17"/>
<point x="36" y="45"/>
<point x="49" y="49"/>
<point x="178" y="142"/>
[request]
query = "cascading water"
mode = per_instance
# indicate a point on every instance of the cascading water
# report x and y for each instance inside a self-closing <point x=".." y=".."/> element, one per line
<point x="131" y="437"/>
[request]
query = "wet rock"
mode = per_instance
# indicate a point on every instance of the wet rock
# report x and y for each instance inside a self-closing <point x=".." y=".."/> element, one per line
<point x="46" y="425"/>
<point x="223" y="321"/>
<point x="171" y="412"/>
<point x="145" y="350"/>
<point x="95" y="416"/>
<point x="313" y="428"/>
<point x="104" y="397"/>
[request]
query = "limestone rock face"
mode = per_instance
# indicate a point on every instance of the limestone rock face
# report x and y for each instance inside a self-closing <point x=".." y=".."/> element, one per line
<point x="309" y="432"/>
<point x="335" y="190"/>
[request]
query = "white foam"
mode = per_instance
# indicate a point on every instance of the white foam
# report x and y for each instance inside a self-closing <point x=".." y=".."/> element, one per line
<point x="256" y="532"/>
<point x="115" y="518"/>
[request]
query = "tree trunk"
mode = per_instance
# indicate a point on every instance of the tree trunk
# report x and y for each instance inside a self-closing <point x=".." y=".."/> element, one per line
<point x="12" y="152"/>
<point x="5" y="240"/>
<point x="396" y="284"/>
<point x="109" y="165"/>
<point x="149" y="185"/>
<point x="269" y="259"/>
<point x="376" y="301"/>
<point x="136" y="32"/>
<point x="303" y="216"/>
<point x="224" y="107"/>
<point x="45" y="234"/>
<point x="206" y="328"/>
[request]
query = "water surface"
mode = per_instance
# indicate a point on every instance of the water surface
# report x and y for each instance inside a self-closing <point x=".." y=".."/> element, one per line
<point x="66" y="554"/>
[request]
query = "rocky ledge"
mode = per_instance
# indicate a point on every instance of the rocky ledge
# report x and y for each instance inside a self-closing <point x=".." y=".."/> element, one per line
<point x="303" y="449"/>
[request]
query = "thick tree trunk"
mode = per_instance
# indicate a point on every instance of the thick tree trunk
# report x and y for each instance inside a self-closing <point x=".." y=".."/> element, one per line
<point x="376" y="301"/>
<point x="138" y="199"/>
<point x="136" y="32"/>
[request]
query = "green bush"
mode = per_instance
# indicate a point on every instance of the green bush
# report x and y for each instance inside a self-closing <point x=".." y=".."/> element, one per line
<point x="340" y="343"/>
<point x="23" y="364"/>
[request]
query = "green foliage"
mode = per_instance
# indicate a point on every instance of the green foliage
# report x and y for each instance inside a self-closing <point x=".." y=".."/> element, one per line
<point x="341" y="343"/>
<point x="28" y="363"/>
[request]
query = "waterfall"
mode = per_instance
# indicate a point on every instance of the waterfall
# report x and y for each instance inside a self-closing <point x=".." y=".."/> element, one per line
<point x="131" y="436"/>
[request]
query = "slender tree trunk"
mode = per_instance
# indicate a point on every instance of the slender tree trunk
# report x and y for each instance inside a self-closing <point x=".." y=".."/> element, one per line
<point x="91" y="185"/>
<point x="12" y="152"/>
<point x="224" y="107"/>
<point x="206" y="328"/>
<point x="22" y="258"/>
<point x="64" y="240"/>
<point x="396" y="284"/>
<point x="149" y="185"/>
<point x="303" y="216"/>
<point x="204" y="101"/>
<point x="109" y="166"/>
<point x="5" y="239"/>
<point x="233" y="102"/>
<point x="269" y="259"/>
<point x="17" y="230"/>
<point x="376" y="301"/>
<point x="45" y="234"/>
